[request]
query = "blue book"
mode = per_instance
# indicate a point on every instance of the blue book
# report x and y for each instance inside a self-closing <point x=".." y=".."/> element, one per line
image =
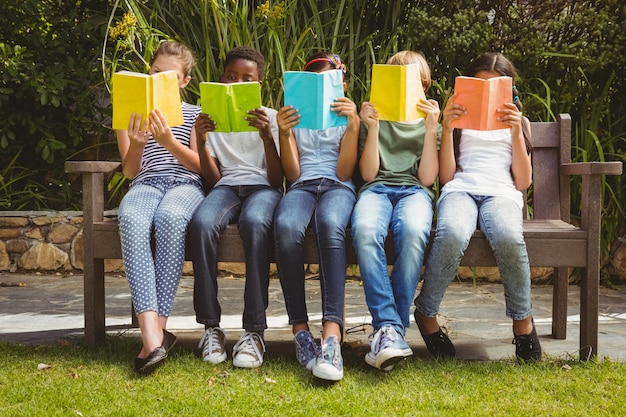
<point x="312" y="93"/>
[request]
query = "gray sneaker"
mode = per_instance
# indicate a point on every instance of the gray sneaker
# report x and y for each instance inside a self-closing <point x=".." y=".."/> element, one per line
<point x="307" y="349"/>
<point x="212" y="345"/>
<point x="387" y="348"/>
<point x="329" y="364"/>
<point x="248" y="351"/>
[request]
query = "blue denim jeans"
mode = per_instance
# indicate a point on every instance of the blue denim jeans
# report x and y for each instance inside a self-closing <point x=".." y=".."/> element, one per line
<point x="326" y="206"/>
<point x="253" y="206"/>
<point x="500" y="219"/>
<point x="407" y="212"/>
<point x="162" y="206"/>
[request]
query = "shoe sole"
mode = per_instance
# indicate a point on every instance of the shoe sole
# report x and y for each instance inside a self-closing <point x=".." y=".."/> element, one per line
<point x="327" y="372"/>
<point x="245" y="364"/>
<point x="387" y="359"/>
<point x="215" y="360"/>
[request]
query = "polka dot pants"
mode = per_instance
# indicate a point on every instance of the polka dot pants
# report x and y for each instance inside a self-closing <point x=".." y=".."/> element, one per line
<point x="164" y="206"/>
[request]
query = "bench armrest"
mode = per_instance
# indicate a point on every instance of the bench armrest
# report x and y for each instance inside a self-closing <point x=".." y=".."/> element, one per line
<point x="91" y="166"/>
<point x="592" y="168"/>
<point x="92" y="173"/>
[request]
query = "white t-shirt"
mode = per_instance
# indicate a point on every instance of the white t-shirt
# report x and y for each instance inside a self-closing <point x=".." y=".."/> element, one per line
<point x="241" y="155"/>
<point x="484" y="165"/>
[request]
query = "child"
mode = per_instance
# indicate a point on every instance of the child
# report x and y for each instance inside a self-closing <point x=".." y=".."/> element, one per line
<point x="166" y="188"/>
<point x="398" y="162"/>
<point x="243" y="169"/>
<point x="318" y="164"/>
<point x="481" y="184"/>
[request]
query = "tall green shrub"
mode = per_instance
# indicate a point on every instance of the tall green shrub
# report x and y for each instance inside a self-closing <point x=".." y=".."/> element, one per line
<point x="48" y="95"/>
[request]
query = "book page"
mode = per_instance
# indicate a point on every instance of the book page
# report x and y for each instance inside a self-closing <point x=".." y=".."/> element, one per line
<point x="166" y="97"/>
<point x="129" y="94"/>
<point x="481" y="99"/>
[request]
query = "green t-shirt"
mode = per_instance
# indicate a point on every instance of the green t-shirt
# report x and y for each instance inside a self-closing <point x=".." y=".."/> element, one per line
<point x="400" y="149"/>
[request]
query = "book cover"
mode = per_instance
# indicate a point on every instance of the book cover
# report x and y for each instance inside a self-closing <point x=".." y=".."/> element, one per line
<point x="135" y="92"/>
<point x="395" y="92"/>
<point x="228" y="104"/>
<point x="482" y="98"/>
<point x="312" y="93"/>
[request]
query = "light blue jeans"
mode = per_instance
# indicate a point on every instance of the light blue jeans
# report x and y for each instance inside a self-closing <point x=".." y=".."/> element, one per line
<point x="162" y="206"/>
<point x="500" y="219"/>
<point x="407" y="212"/>
<point x="326" y="206"/>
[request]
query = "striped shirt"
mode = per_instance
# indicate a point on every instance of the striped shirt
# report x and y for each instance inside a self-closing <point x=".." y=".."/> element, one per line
<point x="158" y="162"/>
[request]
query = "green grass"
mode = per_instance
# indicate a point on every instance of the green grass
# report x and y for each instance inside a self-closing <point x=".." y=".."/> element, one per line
<point x="84" y="381"/>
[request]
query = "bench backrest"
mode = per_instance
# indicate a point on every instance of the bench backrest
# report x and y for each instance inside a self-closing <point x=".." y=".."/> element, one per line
<point x="551" y="148"/>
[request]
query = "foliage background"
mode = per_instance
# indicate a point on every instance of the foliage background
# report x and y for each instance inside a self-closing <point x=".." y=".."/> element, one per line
<point x="56" y="59"/>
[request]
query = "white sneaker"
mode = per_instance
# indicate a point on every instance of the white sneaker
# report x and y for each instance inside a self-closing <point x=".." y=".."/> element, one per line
<point x="387" y="348"/>
<point x="329" y="365"/>
<point x="212" y="345"/>
<point x="248" y="351"/>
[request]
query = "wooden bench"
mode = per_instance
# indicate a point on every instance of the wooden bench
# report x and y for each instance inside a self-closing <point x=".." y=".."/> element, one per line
<point x="552" y="240"/>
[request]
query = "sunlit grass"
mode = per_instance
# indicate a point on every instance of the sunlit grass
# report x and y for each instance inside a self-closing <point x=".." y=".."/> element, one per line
<point x="83" y="381"/>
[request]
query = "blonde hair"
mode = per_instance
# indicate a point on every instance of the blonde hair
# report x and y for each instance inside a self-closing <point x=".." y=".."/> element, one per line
<point x="178" y="50"/>
<point x="413" y="57"/>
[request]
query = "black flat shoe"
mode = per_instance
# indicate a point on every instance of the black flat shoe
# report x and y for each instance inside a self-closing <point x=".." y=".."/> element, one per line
<point x="169" y="340"/>
<point x="438" y="344"/>
<point x="151" y="362"/>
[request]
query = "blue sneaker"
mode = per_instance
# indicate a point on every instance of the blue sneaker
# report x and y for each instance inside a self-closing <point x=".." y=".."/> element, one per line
<point x="329" y="364"/>
<point x="307" y="349"/>
<point x="387" y="348"/>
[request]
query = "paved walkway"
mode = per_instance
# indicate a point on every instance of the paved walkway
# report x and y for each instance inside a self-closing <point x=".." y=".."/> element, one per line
<point x="39" y="309"/>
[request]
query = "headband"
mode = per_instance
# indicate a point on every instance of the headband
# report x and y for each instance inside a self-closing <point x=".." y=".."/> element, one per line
<point x="335" y="62"/>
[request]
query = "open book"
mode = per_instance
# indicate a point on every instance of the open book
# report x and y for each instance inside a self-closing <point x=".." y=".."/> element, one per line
<point x="396" y="90"/>
<point x="482" y="98"/>
<point x="312" y="93"/>
<point x="135" y="92"/>
<point x="228" y="104"/>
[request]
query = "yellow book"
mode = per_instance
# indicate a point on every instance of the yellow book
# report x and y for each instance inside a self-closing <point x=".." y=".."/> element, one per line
<point x="396" y="90"/>
<point x="135" y="92"/>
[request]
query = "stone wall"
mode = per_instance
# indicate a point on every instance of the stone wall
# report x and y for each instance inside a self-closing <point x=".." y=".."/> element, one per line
<point x="43" y="241"/>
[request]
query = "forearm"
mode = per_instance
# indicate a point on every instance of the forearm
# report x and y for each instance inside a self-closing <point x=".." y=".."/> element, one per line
<point x="369" y="164"/>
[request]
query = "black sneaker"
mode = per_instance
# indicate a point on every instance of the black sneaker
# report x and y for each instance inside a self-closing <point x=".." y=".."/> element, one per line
<point x="527" y="347"/>
<point x="438" y="344"/>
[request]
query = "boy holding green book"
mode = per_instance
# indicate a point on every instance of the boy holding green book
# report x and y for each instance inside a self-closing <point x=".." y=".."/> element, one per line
<point x="244" y="174"/>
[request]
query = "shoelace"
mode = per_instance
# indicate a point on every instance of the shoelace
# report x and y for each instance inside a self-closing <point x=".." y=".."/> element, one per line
<point x="212" y="339"/>
<point x="247" y="345"/>
<point x="382" y="338"/>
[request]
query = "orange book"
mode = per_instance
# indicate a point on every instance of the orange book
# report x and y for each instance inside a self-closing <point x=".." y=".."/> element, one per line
<point x="481" y="99"/>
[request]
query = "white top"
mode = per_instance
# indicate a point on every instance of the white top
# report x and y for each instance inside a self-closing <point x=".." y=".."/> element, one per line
<point x="484" y="165"/>
<point x="241" y="155"/>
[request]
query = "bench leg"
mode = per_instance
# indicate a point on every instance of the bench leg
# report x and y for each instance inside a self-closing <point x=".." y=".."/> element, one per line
<point x="560" y="283"/>
<point x="94" y="301"/>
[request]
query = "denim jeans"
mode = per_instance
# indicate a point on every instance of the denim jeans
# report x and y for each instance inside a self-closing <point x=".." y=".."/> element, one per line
<point x="500" y="219"/>
<point x="407" y="212"/>
<point x="326" y="206"/>
<point x="253" y="206"/>
<point x="162" y="206"/>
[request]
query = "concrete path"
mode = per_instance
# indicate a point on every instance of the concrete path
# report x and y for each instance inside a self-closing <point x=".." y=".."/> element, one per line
<point x="41" y="309"/>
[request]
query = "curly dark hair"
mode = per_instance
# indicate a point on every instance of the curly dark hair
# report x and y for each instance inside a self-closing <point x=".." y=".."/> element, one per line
<point x="247" y="53"/>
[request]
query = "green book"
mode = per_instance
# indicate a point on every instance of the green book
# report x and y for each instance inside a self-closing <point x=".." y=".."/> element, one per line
<point x="228" y="104"/>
